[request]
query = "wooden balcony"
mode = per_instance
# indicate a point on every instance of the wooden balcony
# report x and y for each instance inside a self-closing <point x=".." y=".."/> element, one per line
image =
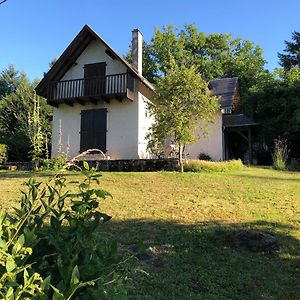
<point x="118" y="86"/>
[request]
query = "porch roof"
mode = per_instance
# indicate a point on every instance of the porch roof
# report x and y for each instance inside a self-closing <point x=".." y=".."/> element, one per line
<point x="237" y="120"/>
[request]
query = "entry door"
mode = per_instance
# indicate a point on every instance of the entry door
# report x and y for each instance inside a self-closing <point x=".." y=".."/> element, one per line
<point x="95" y="79"/>
<point x="93" y="129"/>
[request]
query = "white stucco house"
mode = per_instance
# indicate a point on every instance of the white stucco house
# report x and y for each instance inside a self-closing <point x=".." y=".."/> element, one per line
<point x="100" y="101"/>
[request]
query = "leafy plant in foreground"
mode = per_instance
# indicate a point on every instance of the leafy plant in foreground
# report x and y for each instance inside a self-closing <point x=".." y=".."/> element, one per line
<point x="52" y="242"/>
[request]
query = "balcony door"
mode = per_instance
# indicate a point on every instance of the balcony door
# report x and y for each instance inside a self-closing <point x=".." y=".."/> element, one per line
<point x="93" y="129"/>
<point x="94" y="75"/>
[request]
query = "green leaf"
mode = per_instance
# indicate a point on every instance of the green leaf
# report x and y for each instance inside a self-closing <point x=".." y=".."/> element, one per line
<point x="86" y="166"/>
<point x="2" y="243"/>
<point x="105" y="217"/>
<point x="75" y="276"/>
<point x="25" y="276"/>
<point x="10" y="264"/>
<point x="21" y="240"/>
<point x="57" y="294"/>
<point x="102" y="194"/>
<point x="84" y="186"/>
<point x="10" y="294"/>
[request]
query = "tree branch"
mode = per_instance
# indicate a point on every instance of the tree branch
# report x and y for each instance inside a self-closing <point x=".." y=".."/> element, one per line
<point x="1" y="2"/>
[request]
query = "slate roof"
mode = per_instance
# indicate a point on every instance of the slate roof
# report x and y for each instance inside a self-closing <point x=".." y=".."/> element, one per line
<point x="237" y="120"/>
<point x="225" y="89"/>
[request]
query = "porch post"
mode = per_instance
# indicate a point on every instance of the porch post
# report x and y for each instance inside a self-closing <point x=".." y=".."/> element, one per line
<point x="250" y="145"/>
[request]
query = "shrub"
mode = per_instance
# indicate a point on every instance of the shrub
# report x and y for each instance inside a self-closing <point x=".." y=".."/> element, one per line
<point x="204" y="156"/>
<point x="209" y="166"/>
<point x="49" y="248"/>
<point x="3" y="154"/>
<point x="280" y="155"/>
<point x="54" y="164"/>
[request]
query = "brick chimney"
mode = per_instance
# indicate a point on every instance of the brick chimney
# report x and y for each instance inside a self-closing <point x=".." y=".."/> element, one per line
<point x="137" y="50"/>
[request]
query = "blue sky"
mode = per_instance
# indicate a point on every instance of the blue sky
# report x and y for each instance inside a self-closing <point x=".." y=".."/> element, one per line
<point x="33" y="32"/>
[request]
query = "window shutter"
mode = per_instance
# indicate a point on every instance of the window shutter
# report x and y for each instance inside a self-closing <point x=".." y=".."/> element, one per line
<point x="94" y="75"/>
<point x="93" y="129"/>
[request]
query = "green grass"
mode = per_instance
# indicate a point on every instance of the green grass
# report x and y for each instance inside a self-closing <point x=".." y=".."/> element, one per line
<point x="189" y="218"/>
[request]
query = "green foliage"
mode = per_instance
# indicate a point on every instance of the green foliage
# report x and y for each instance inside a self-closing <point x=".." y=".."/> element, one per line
<point x="213" y="56"/>
<point x="292" y="57"/>
<point x="209" y="166"/>
<point x="3" y="153"/>
<point x="204" y="156"/>
<point x="16" y="109"/>
<point x="50" y="249"/>
<point x="275" y="105"/>
<point x="9" y="80"/>
<point x="54" y="164"/>
<point x="280" y="155"/>
<point x="182" y="101"/>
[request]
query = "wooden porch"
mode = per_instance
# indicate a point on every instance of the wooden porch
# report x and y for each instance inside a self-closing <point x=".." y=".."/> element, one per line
<point x="93" y="89"/>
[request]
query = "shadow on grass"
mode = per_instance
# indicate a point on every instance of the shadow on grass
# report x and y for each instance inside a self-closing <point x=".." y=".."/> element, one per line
<point x="201" y="261"/>
<point x="30" y="174"/>
<point x="248" y="176"/>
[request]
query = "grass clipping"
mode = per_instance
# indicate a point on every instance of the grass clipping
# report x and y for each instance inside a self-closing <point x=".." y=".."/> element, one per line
<point x="209" y="166"/>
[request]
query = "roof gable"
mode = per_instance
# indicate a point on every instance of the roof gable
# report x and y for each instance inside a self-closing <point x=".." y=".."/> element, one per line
<point x="73" y="51"/>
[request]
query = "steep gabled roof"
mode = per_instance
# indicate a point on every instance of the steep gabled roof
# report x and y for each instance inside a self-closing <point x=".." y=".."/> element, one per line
<point x="225" y="89"/>
<point x="73" y="51"/>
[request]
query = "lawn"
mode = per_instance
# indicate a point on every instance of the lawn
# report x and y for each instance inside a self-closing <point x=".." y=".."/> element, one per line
<point x="188" y="219"/>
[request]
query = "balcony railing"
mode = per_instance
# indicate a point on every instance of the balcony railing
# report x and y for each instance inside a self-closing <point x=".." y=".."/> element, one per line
<point x="117" y="85"/>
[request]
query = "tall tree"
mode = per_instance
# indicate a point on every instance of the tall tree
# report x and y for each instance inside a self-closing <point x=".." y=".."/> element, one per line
<point x="182" y="101"/>
<point x="291" y="58"/>
<point x="214" y="55"/>
<point x="16" y="108"/>
<point x="9" y="80"/>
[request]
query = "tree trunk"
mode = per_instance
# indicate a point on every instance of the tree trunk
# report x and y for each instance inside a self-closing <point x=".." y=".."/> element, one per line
<point x="180" y="160"/>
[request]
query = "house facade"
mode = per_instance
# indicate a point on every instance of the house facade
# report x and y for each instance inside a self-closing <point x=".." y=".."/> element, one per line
<point x="100" y="101"/>
<point x="229" y="135"/>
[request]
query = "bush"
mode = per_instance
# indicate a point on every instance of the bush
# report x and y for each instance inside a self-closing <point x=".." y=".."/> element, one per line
<point x="3" y="154"/>
<point x="50" y="249"/>
<point x="204" y="156"/>
<point x="54" y="164"/>
<point x="280" y="155"/>
<point x="209" y="166"/>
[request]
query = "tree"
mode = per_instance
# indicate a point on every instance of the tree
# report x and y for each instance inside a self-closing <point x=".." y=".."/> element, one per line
<point x="214" y="55"/>
<point x="182" y="101"/>
<point x="292" y="57"/>
<point x="276" y="107"/>
<point x="16" y="109"/>
<point x="9" y="80"/>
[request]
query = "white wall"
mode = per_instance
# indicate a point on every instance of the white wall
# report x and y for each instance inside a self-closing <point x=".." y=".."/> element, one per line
<point x="145" y="121"/>
<point x="122" y="128"/>
<point x="127" y="122"/>
<point x="210" y="144"/>
<point x="94" y="53"/>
